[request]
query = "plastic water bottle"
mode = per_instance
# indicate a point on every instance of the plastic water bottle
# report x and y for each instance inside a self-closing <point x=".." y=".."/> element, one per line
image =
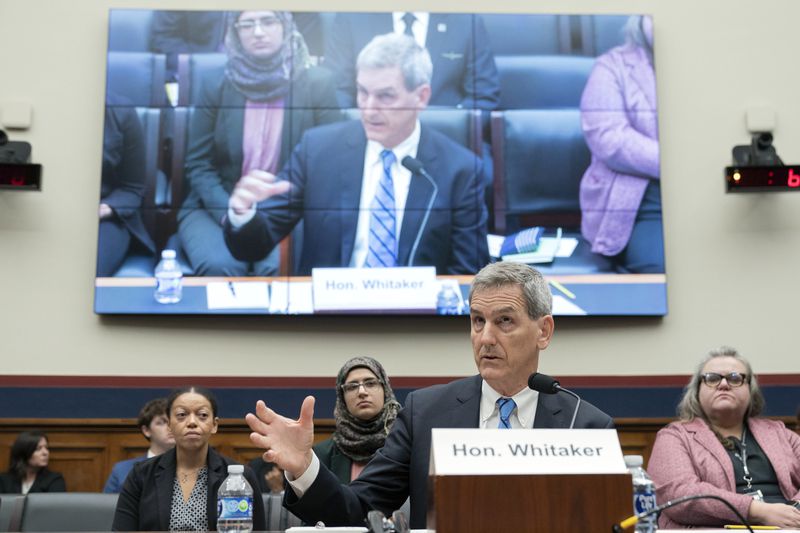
<point x="235" y="503"/>
<point x="644" y="494"/>
<point x="169" y="279"/>
<point x="447" y="301"/>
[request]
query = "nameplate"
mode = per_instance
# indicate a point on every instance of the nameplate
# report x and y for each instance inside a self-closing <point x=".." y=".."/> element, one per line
<point x="369" y="290"/>
<point x="459" y="452"/>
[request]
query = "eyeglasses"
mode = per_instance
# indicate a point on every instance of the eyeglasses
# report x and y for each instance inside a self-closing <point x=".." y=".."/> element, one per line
<point x="368" y="384"/>
<point x="734" y="379"/>
<point x="249" y="25"/>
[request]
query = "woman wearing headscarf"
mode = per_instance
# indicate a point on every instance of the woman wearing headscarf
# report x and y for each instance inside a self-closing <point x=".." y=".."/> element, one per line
<point x="722" y="446"/>
<point x="365" y="411"/>
<point x="620" y="192"/>
<point x="247" y="121"/>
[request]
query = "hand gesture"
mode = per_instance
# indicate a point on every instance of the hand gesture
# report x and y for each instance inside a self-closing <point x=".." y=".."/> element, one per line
<point x="287" y="442"/>
<point x="256" y="186"/>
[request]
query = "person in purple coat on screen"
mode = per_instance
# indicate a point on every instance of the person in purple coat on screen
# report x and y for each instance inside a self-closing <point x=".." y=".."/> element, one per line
<point x="620" y="193"/>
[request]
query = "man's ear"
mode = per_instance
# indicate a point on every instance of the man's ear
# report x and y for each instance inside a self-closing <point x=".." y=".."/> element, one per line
<point x="546" y="325"/>
<point x="423" y="95"/>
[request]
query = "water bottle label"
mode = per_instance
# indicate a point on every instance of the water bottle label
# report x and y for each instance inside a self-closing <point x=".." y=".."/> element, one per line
<point x="168" y="284"/>
<point x="644" y="501"/>
<point x="235" y="507"/>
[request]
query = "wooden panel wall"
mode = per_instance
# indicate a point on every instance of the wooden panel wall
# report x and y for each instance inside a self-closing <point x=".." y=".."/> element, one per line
<point x="84" y="450"/>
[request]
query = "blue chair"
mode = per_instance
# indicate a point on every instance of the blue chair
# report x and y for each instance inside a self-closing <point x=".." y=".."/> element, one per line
<point x="154" y="198"/>
<point x="191" y="69"/>
<point x="600" y="33"/>
<point x="516" y="34"/>
<point x="129" y="30"/>
<point x="542" y="82"/>
<point x="540" y="156"/>
<point x="138" y="76"/>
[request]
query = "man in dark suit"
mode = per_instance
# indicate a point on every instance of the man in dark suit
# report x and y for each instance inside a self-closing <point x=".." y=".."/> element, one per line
<point x="511" y="322"/>
<point x="339" y="184"/>
<point x="464" y="72"/>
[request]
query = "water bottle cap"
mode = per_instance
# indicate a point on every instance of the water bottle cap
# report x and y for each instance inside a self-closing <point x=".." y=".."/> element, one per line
<point x="632" y="461"/>
<point x="235" y="469"/>
<point x="168" y="254"/>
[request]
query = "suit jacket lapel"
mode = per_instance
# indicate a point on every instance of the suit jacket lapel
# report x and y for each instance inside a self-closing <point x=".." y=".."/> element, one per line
<point x="550" y="412"/>
<point x="705" y="437"/>
<point x="347" y="185"/>
<point x="165" y="479"/>
<point x="419" y="194"/>
<point x="465" y="412"/>
<point x="233" y="109"/>
<point x="217" y="472"/>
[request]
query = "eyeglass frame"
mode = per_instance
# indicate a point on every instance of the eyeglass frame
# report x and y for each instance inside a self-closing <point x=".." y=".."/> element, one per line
<point x="352" y="387"/>
<point x="259" y="22"/>
<point x="726" y="377"/>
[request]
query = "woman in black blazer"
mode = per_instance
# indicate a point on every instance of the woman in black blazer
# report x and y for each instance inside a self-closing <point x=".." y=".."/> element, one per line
<point x="27" y="467"/>
<point x="177" y="491"/>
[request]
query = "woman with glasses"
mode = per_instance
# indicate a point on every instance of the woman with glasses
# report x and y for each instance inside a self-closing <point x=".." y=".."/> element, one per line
<point x="721" y="447"/>
<point x="364" y="413"/>
<point x="246" y="121"/>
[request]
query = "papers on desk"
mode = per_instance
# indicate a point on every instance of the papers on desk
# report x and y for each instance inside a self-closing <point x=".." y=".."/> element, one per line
<point x="237" y="295"/>
<point x="549" y="249"/>
<point x="563" y="306"/>
<point x="294" y="298"/>
<point x="332" y="529"/>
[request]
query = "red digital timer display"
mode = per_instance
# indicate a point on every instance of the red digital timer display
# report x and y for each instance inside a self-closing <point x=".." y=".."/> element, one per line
<point x="25" y="177"/>
<point x="755" y="179"/>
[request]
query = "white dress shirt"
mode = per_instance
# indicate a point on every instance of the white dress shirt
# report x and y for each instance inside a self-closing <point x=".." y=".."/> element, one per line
<point x="522" y="417"/>
<point x="373" y="171"/>
<point x="419" y="28"/>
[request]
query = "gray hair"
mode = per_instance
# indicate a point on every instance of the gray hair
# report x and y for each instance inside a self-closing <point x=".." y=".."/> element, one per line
<point x="689" y="407"/>
<point x="398" y="50"/>
<point x="634" y="33"/>
<point x="538" y="298"/>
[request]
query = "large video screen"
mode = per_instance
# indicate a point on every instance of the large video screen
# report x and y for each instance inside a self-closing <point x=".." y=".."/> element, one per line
<point x="274" y="162"/>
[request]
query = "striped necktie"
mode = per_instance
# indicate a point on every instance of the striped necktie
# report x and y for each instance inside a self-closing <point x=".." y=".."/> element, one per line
<point x="506" y="406"/>
<point x="382" y="240"/>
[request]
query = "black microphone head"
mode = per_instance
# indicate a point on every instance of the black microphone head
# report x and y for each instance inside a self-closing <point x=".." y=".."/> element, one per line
<point x="543" y="383"/>
<point x="414" y="165"/>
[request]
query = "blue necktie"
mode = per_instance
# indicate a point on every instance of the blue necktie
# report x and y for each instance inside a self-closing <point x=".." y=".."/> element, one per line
<point x="408" y="20"/>
<point x="383" y="220"/>
<point x="506" y="406"/>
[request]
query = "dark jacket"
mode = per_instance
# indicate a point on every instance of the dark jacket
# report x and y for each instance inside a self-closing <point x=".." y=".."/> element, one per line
<point x="146" y="498"/>
<point x="46" y="481"/>
<point x="400" y="468"/>
<point x="331" y="456"/>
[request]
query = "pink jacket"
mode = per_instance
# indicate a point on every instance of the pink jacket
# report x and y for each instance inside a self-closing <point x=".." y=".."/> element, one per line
<point x="618" y="116"/>
<point x="688" y="459"/>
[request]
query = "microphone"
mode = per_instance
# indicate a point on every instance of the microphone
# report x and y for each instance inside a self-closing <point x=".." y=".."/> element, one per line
<point x="628" y="522"/>
<point x="416" y="168"/>
<point x="550" y="385"/>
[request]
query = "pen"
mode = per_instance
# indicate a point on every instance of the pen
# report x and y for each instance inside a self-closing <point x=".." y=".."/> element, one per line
<point x="737" y="526"/>
<point x="233" y="291"/>
<point x="562" y="288"/>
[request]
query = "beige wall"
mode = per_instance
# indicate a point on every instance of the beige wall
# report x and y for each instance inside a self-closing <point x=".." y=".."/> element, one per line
<point x="732" y="261"/>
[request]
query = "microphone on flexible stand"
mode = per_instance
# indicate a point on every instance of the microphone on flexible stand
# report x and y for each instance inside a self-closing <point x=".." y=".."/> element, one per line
<point x="416" y="167"/>
<point x="550" y="385"/>
<point x="628" y="522"/>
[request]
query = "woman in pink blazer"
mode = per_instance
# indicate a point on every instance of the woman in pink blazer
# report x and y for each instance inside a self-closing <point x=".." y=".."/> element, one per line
<point x="720" y="447"/>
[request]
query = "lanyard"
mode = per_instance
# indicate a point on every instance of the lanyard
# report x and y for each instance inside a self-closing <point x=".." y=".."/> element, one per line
<point x="743" y="458"/>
